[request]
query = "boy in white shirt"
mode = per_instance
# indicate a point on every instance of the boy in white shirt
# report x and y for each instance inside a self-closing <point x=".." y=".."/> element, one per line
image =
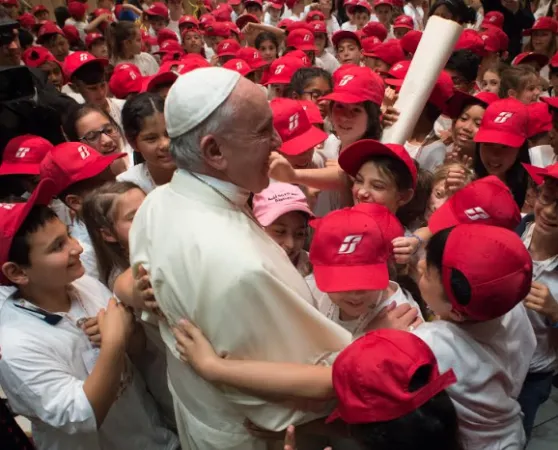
<point x="77" y="395"/>
<point x="360" y="16"/>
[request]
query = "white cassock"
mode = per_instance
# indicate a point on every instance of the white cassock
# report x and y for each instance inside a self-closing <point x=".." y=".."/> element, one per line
<point x="211" y="263"/>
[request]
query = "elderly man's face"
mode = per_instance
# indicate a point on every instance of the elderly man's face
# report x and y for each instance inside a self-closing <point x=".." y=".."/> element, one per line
<point x="253" y="139"/>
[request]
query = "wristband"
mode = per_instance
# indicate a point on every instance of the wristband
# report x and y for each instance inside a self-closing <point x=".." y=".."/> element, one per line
<point x="420" y="241"/>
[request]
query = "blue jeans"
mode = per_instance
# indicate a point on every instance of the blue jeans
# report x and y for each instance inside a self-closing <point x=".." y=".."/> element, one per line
<point x="535" y="391"/>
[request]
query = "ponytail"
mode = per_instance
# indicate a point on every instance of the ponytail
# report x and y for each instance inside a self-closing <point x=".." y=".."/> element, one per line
<point x="117" y="33"/>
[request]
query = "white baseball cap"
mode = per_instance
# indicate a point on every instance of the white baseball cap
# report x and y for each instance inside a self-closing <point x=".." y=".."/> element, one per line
<point x="195" y="95"/>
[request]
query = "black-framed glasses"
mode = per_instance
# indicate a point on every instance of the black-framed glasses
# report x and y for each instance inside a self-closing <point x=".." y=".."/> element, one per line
<point x="93" y="136"/>
<point x="546" y="199"/>
<point x="315" y="94"/>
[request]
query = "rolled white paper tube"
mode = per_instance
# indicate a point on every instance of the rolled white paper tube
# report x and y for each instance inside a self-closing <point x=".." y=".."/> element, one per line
<point x="433" y="52"/>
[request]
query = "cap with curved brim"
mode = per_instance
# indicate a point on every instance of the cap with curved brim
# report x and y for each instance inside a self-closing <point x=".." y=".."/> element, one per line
<point x="7" y="168"/>
<point x="273" y="214"/>
<point x="343" y="97"/>
<point x="551" y="101"/>
<point x="161" y="78"/>
<point x="536" y="173"/>
<point x="339" y="278"/>
<point x="307" y="47"/>
<point x="245" y="19"/>
<point x="304" y="142"/>
<point x="394" y="82"/>
<point x="442" y="219"/>
<point x="488" y="136"/>
<point x="459" y="100"/>
<point x="338" y="36"/>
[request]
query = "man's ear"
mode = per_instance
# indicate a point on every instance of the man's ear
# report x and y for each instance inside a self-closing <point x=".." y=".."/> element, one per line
<point x="212" y="154"/>
<point x="15" y="273"/>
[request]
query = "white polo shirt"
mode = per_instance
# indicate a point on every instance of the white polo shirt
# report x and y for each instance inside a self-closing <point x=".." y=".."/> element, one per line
<point x="428" y="156"/>
<point x="43" y="370"/>
<point x="490" y="360"/>
<point x="139" y="175"/>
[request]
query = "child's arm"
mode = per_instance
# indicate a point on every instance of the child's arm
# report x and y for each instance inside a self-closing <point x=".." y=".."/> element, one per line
<point x="264" y="378"/>
<point x="91" y="26"/>
<point x="101" y="386"/>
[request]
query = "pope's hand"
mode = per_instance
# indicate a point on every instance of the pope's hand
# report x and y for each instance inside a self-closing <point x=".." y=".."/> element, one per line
<point x="280" y="169"/>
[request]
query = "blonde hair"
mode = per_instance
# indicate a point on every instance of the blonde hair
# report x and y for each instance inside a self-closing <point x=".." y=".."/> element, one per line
<point x="552" y="47"/>
<point x="442" y="172"/>
<point x="99" y="213"/>
<point x="516" y="78"/>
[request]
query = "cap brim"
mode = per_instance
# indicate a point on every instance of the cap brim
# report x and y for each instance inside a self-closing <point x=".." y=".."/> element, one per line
<point x="97" y="167"/>
<point x="226" y="54"/>
<point x="352" y="277"/>
<point x="536" y="173"/>
<point x="259" y="64"/>
<point x="499" y="137"/>
<point x="19" y="169"/>
<point x="341" y="97"/>
<point x="335" y="415"/>
<point x="267" y="219"/>
<point x="303" y="143"/>
<point x="551" y="101"/>
<point x="458" y="101"/>
<point x="162" y="78"/>
<point x="394" y="82"/>
<point x="307" y="48"/>
<point x="442" y="219"/>
<point x="403" y="26"/>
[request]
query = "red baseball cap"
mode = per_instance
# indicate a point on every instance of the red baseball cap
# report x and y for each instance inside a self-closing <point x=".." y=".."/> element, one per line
<point x="166" y="34"/>
<point x="285" y="23"/>
<point x="293" y="125"/>
<point x="245" y="19"/>
<point x="487" y="201"/>
<point x="362" y="3"/>
<point x="27" y="20"/>
<point x="158" y="9"/>
<point x="472" y="41"/>
<point x="543" y="23"/>
<point x="36" y="56"/>
<point x="371" y="377"/>
<point x="301" y="39"/>
<point x="493" y="19"/>
<point x="312" y="111"/>
<point x="252" y="56"/>
<point x="356" y="84"/>
<point x="228" y="47"/>
<point x="375" y="29"/>
<point x="188" y="20"/>
<point x="526" y="57"/>
<point x="505" y="122"/>
<point x="234" y="30"/>
<point x="457" y="103"/>
<point x="554" y="61"/>
<point x="410" y="42"/>
<point x="538" y="174"/>
<point x="238" y="65"/>
<point x="355" y="155"/>
<point x="276" y="5"/>
<point x="77" y="60"/>
<point x="71" y="33"/>
<point x="9" y="3"/>
<point x="540" y="119"/>
<point x="389" y="52"/>
<point x="314" y="16"/>
<point x="351" y="248"/>
<point x="23" y="155"/>
<point x="217" y="29"/>
<point x="552" y="102"/>
<point x="248" y="3"/>
<point x="369" y="44"/>
<point x="341" y="35"/>
<point x="235" y="2"/>
<point x="383" y="2"/>
<point x="492" y="41"/>
<point x="206" y="19"/>
<point x="222" y="13"/>
<point x="496" y="265"/>
<point x="70" y="162"/>
<point x="100" y="11"/>
<point x="125" y="80"/>
<point x="297" y="25"/>
<point x="318" y="27"/>
<point x="443" y="89"/>
<point x="282" y="70"/>
<point x="48" y="28"/>
<point x="165" y="76"/>
<point x="38" y="9"/>
<point x="147" y="38"/>
<point x="299" y="54"/>
<point x="170" y="47"/>
<point x="91" y="38"/>
<point x="12" y="216"/>
<point x="404" y="21"/>
<point x="77" y="9"/>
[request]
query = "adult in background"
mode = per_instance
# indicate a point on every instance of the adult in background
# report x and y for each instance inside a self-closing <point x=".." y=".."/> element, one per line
<point x="211" y="262"/>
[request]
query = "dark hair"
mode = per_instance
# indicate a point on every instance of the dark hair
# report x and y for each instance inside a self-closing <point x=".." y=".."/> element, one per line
<point x="411" y="215"/>
<point x="516" y="177"/>
<point x="360" y="9"/>
<point x="61" y="13"/>
<point x="374" y="125"/>
<point x="25" y="39"/>
<point x="135" y="111"/>
<point x="75" y="113"/>
<point x="266" y="36"/>
<point x="393" y="168"/>
<point x="465" y="63"/>
<point x="302" y="77"/>
<point x="117" y="33"/>
<point x="435" y="422"/>
<point x="516" y="78"/>
<point x="48" y="39"/>
<point x="90" y="74"/>
<point x="20" y="248"/>
<point x="460" y="11"/>
<point x="432" y="113"/>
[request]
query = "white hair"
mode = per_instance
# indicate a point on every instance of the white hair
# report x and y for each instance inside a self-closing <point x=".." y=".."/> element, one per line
<point x="185" y="149"/>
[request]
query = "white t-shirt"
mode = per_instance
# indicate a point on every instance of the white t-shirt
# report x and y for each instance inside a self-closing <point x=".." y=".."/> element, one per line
<point x="332" y="147"/>
<point x="78" y="230"/>
<point x="429" y="156"/>
<point x="542" y="155"/>
<point x="43" y="370"/>
<point x="139" y="175"/>
<point x="328" y="62"/>
<point x="146" y="63"/>
<point x="417" y="13"/>
<point x="490" y="360"/>
<point x="545" y="358"/>
<point x="81" y="26"/>
<point x="348" y="26"/>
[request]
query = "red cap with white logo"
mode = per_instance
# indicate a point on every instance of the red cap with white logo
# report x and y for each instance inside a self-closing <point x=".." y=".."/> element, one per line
<point x="487" y="200"/>
<point x="496" y="265"/>
<point x="389" y="52"/>
<point x="318" y="27"/>
<point x="472" y="41"/>
<point x="252" y="56"/>
<point x="543" y="23"/>
<point x="23" y="155"/>
<point x="70" y="162"/>
<point x="351" y="248"/>
<point x="504" y="122"/>
<point x="375" y="29"/>
<point x="493" y="19"/>
<point x="301" y="39"/>
<point x="188" y="20"/>
<point x="341" y="35"/>
<point x="293" y="125"/>
<point x="540" y="119"/>
<point x="238" y="65"/>
<point x="356" y="84"/>
<point x="158" y="9"/>
<point x="166" y="34"/>
<point x="282" y="70"/>
<point x="369" y="44"/>
<point x="404" y="21"/>
<point x="410" y="42"/>
<point x="75" y="61"/>
<point x="228" y="47"/>
<point x="91" y="38"/>
<point x="126" y="79"/>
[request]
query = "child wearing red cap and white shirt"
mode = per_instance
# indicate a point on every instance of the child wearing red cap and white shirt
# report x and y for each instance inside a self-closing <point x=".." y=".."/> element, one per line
<point x="347" y="47"/>
<point x="75" y="393"/>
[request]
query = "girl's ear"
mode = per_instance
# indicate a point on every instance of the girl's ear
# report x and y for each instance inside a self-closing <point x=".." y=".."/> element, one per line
<point x="405" y="197"/>
<point x="512" y="93"/>
<point x="74" y="202"/>
<point x="107" y="235"/>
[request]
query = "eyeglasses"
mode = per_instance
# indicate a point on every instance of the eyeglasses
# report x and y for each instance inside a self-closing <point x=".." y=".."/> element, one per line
<point x="546" y="199"/>
<point x="315" y="94"/>
<point x="93" y="136"/>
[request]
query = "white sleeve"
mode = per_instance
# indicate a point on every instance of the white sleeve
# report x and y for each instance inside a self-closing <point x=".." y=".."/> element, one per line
<point x="38" y="385"/>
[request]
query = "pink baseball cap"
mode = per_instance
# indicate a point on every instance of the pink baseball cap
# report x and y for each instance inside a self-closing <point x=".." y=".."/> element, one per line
<point x="91" y="38"/>
<point x="389" y="52"/>
<point x="252" y="56"/>
<point x="279" y="199"/>
<point x="526" y="57"/>
<point x="375" y="29"/>
<point x="351" y="248"/>
<point x="228" y="47"/>
<point x="371" y="377"/>
<point x="23" y="155"/>
<point x="404" y="21"/>
<point x="341" y="35"/>
<point x="355" y="155"/>
<point x="543" y="23"/>
<point x="158" y="9"/>
<point x="301" y="39"/>
<point x="75" y="61"/>
<point x="540" y="119"/>
<point x="238" y="65"/>
<point x="356" y="84"/>
<point x="496" y="265"/>
<point x="505" y="122"/>
<point x="293" y="125"/>
<point x="282" y="70"/>
<point x="487" y="201"/>
<point x="493" y="19"/>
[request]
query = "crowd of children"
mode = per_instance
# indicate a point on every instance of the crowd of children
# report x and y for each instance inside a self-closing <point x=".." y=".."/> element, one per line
<point x="439" y="256"/>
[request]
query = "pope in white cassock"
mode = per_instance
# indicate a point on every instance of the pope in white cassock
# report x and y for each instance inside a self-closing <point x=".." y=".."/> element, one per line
<point x="210" y="261"/>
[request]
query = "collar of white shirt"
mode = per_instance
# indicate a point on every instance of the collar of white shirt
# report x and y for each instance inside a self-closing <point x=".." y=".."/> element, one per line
<point x="237" y="195"/>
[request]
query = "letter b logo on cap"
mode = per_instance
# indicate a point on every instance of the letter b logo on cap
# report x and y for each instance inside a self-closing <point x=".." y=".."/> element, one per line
<point x="345" y="80"/>
<point x="306" y="38"/>
<point x="349" y="244"/>
<point x="279" y="69"/>
<point x="83" y="57"/>
<point x="293" y="122"/>
<point x="83" y="152"/>
<point x="503" y="117"/>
